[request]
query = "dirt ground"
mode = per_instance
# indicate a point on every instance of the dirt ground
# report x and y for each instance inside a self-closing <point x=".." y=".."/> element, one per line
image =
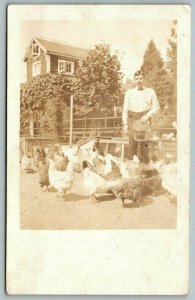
<point x="45" y="210"/>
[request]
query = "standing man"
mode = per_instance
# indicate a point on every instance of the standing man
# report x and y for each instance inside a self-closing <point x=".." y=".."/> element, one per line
<point x="140" y="103"/>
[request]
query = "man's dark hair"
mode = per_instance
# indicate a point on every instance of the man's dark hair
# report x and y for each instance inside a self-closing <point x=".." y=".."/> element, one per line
<point x="139" y="73"/>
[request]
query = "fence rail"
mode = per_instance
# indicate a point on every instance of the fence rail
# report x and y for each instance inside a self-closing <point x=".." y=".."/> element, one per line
<point x="84" y="128"/>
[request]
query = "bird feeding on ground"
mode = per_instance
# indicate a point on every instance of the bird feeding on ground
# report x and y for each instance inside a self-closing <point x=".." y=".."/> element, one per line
<point x="136" y="188"/>
<point x="39" y="157"/>
<point x="91" y="180"/>
<point x="129" y="191"/>
<point x="43" y="175"/>
<point x="168" y="173"/>
<point x="27" y="164"/>
<point x="62" y="181"/>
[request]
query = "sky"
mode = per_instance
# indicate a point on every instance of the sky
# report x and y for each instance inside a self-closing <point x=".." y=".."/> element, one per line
<point x="129" y="38"/>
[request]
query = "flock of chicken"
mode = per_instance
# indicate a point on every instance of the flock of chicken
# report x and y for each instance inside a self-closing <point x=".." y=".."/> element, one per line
<point x="101" y="174"/>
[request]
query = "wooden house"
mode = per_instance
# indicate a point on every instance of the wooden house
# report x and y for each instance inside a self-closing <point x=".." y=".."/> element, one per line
<point x="44" y="56"/>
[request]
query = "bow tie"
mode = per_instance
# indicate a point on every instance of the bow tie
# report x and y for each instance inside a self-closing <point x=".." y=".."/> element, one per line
<point x="140" y="89"/>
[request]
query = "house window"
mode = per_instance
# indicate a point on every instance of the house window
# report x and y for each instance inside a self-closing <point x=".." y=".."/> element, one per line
<point x="36" y="68"/>
<point x="61" y="65"/>
<point x="35" y="49"/>
<point x="65" y="66"/>
<point x="36" y="128"/>
<point x="68" y="67"/>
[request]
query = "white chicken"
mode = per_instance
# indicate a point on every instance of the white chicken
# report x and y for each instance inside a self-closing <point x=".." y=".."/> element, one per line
<point x="108" y="164"/>
<point x="136" y="159"/>
<point x="62" y="181"/>
<point x="174" y="124"/>
<point x="92" y="182"/>
<point x="69" y="152"/>
<point x="169" y="178"/>
<point x="124" y="170"/>
<point x="168" y="173"/>
<point x="27" y="164"/>
<point x="169" y="182"/>
<point x="87" y="155"/>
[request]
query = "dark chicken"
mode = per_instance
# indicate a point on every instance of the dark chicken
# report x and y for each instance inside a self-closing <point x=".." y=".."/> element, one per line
<point x="130" y="190"/>
<point x="152" y="186"/>
<point x="43" y="174"/>
<point x="39" y="157"/>
<point x="137" y="188"/>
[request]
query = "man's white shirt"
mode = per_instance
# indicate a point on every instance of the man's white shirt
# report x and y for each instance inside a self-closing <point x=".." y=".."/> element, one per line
<point x="140" y="101"/>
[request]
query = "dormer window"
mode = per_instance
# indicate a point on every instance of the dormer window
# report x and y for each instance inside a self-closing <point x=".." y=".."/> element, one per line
<point x="35" y="49"/>
<point x="66" y="67"/>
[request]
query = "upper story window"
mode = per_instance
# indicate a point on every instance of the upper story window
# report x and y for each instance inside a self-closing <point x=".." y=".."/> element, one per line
<point x="35" y="49"/>
<point x="36" y="68"/>
<point x="65" y="66"/>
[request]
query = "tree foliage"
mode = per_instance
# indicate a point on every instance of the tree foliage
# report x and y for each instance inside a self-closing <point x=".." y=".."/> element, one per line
<point x="157" y="77"/>
<point x="171" y="63"/>
<point x="98" y="82"/>
<point x="172" y="52"/>
<point x="44" y="99"/>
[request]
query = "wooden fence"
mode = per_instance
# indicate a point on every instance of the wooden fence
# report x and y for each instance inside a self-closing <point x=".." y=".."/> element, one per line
<point x="110" y="126"/>
<point x="85" y="128"/>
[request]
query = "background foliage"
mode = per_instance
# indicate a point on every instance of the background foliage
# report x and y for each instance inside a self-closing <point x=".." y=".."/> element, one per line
<point x="44" y="99"/>
<point x="97" y="87"/>
<point x="158" y="77"/>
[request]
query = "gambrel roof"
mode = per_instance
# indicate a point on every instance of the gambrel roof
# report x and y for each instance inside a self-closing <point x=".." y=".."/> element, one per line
<point x="51" y="47"/>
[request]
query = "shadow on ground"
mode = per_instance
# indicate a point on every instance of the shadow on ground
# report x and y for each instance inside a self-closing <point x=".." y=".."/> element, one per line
<point x="144" y="202"/>
<point x="74" y="197"/>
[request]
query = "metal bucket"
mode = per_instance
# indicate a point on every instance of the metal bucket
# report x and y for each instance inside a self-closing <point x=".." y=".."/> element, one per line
<point x="141" y="131"/>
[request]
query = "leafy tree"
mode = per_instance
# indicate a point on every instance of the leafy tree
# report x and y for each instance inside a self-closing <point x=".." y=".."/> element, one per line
<point x="97" y="87"/>
<point x="44" y="99"/>
<point x="172" y="51"/>
<point x="157" y="77"/>
<point x="171" y="63"/>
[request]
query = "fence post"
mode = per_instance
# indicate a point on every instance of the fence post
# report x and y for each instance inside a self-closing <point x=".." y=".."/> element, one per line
<point x="85" y="127"/>
<point x="71" y="120"/>
<point x="31" y="127"/>
<point x="123" y="151"/>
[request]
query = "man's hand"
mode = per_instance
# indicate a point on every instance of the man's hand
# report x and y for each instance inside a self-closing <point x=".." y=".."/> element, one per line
<point x="125" y="129"/>
<point x="144" y="119"/>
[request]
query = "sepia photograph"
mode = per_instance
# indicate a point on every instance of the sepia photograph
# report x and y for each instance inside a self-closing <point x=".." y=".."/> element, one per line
<point x="98" y="124"/>
<point x="98" y="131"/>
